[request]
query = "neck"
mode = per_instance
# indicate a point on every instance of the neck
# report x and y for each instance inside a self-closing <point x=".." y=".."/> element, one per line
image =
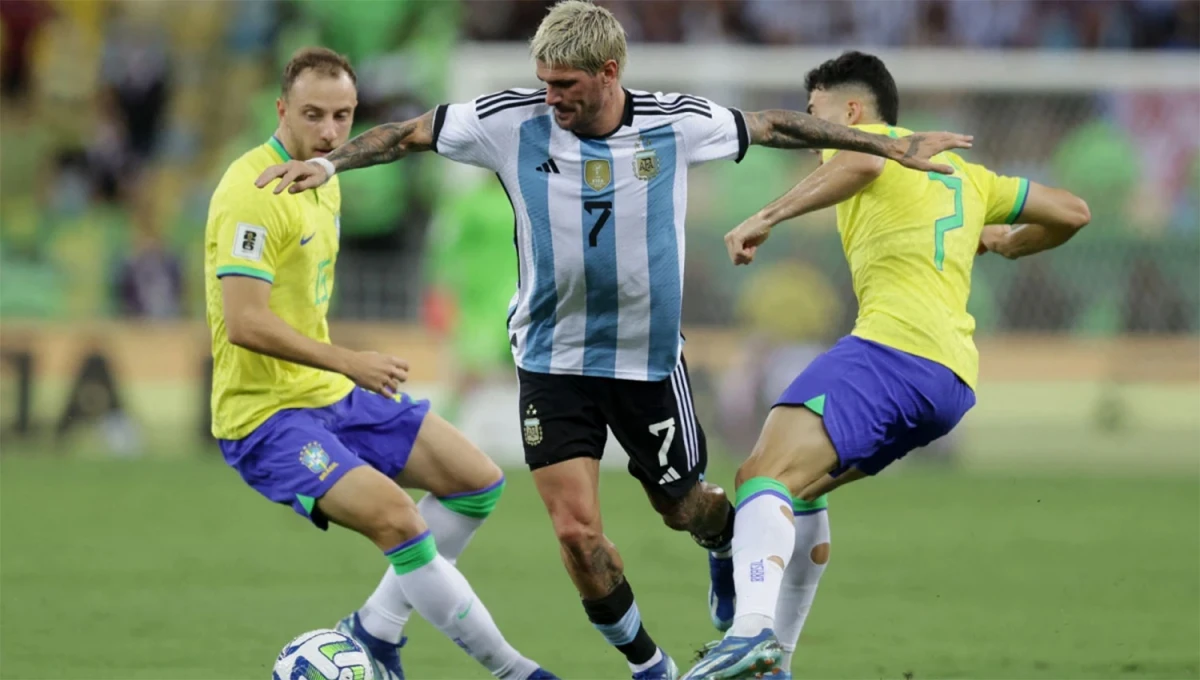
<point x="290" y="146"/>
<point x="611" y="114"/>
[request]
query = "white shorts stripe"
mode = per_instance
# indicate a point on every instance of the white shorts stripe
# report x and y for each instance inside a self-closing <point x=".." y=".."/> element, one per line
<point x="687" y="419"/>
<point x="690" y="411"/>
<point x="677" y="388"/>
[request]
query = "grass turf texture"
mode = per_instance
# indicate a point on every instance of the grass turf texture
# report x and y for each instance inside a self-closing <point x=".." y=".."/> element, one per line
<point x="174" y="569"/>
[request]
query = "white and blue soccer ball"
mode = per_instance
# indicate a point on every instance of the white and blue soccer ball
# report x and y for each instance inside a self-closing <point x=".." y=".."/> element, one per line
<point x="323" y="655"/>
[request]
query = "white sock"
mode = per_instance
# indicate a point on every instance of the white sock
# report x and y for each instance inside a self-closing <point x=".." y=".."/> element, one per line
<point x="441" y="594"/>
<point x="387" y="611"/>
<point x="451" y="530"/>
<point x="639" y="667"/>
<point x="763" y="538"/>
<point x="800" y="582"/>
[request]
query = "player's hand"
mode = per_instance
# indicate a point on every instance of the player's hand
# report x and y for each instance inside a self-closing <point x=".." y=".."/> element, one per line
<point x="992" y="238"/>
<point x="743" y="241"/>
<point x="295" y="176"/>
<point x="377" y="372"/>
<point x="916" y="150"/>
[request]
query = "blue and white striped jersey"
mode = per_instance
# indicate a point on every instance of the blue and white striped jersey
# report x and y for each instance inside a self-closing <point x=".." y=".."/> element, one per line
<point x="599" y="223"/>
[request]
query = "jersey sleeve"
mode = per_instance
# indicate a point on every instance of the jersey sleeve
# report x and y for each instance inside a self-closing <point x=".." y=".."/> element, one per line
<point x="251" y="230"/>
<point x="711" y="132"/>
<point x="472" y="132"/>
<point x="1004" y="196"/>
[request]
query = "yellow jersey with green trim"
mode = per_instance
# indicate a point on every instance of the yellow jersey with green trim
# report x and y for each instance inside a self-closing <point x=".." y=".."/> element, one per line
<point x="291" y="242"/>
<point x="910" y="239"/>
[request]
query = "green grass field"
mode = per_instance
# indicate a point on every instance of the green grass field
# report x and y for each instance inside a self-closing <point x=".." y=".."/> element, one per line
<point x="173" y="569"/>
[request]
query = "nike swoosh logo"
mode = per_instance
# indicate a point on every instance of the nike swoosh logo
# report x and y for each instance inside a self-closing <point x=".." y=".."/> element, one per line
<point x="305" y="239"/>
<point x="466" y="611"/>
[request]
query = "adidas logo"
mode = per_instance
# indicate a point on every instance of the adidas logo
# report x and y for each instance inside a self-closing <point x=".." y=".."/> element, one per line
<point x="669" y="477"/>
<point x="549" y="166"/>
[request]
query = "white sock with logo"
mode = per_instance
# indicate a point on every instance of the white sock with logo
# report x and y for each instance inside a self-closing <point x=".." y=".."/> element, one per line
<point x="763" y="539"/>
<point x="800" y="582"/>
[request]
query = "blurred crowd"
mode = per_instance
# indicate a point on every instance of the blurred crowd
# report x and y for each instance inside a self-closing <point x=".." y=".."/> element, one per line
<point x="1094" y="24"/>
<point x="118" y="117"/>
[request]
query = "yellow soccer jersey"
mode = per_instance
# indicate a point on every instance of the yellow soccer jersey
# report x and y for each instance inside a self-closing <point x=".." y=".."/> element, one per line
<point x="290" y="241"/>
<point x="910" y="239"/>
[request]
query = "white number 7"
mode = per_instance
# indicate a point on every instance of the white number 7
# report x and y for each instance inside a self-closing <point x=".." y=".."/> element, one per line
<point x="656" y="429"/>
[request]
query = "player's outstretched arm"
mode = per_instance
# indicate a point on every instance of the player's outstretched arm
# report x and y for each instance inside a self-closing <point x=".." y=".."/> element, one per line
<point x="381" y="144"/>
<point x="782" y="129"/>
<point x="250" y="324"/>
<point x="840" y="178"/>
<point x="1051" y="217"/>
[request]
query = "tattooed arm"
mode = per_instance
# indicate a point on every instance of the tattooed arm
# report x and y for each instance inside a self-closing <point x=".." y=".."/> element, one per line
<point x="781" y="129"/>
<point x="384" y="144"/>
<point x="381" y="144"/>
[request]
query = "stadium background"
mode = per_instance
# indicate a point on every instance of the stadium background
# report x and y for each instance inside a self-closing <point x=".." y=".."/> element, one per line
<point x="1056" y="534"/>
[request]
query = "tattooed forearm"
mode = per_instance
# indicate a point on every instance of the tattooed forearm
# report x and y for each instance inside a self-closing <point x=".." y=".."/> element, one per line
<point x="384" y="144"/>
<point x="794" y="130"/>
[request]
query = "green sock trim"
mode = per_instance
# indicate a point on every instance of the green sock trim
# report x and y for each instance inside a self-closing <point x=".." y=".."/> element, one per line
<point x="475" y="504"/>
<point x="800" y="505"/>
<point x="414" y="554"/>
<point x="816" y="405"/>
<point x="756" y="485"/>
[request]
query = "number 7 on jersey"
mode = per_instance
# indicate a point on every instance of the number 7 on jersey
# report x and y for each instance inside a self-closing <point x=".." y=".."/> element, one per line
<point x="949" y="222"/>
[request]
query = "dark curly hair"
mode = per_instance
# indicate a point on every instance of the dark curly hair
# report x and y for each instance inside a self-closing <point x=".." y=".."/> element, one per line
<point x="857" y="68"/>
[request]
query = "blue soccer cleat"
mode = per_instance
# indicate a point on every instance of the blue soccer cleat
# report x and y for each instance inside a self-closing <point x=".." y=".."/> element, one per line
<point x="543" y="674"/>
<point x="722" y="594"/>
<point x="741" y="658"/>
<point x="385" y="656"/>
<point x="665" y="669"/>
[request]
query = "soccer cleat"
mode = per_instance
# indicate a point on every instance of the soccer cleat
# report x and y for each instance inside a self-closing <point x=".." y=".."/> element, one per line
<point x="385" y="656"/>
<point x="543" y="674"/>
<point x="740" y="658"/>
<point x="722" y="594"/>
<point x="665" y="669"/>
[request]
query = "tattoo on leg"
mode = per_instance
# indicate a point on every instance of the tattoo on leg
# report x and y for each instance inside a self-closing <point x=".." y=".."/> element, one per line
<point x="604" y="570"/>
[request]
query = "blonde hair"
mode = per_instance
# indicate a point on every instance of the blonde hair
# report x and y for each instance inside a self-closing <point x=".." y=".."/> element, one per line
<point x="578" y="34"/>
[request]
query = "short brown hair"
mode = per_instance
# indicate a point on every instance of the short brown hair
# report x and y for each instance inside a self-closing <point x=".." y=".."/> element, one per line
<point x="320" y="59"/>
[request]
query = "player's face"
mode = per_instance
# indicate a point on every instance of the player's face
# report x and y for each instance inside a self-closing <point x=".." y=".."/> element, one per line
<point x="577" y="96"/>
<point x="317" y="113"/>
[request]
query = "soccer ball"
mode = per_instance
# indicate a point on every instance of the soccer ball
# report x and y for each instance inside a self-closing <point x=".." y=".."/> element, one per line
<point x="323" y="655"/>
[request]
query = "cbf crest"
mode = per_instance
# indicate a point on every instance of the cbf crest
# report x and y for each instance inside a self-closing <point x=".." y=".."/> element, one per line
<point x="645" y="162"/>
<point x="597" y="174"/>
<point x="533" y="427"/>
<point x="314" y="458"/>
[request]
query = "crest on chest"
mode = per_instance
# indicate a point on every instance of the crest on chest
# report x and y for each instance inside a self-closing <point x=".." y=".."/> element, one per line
<point x="645" y="160"/>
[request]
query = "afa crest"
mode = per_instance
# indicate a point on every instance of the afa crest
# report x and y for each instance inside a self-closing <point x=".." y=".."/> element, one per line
<point x="597" y="174"/>
<point x="533" y="427"/>
<point x="313" y="457"/>
<point x="645" y="164"/>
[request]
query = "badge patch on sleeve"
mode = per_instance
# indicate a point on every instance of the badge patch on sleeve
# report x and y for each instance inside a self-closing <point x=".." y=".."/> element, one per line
<point x="249" y="241"/>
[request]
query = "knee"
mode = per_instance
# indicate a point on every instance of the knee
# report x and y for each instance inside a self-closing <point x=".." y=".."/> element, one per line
<point x="676" y="519"/>
<point x="680" y="514"/>
<point x="752" y="467"/>
<point x="577" y="530"/>
<point x="396" y="521"/>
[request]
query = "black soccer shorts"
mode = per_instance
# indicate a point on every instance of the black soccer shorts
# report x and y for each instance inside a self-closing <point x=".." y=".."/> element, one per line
<point x="567" y="416"/>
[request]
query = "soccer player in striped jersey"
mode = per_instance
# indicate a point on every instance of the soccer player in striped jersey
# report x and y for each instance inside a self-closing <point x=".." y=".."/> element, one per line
<point x="597" y="175"/>
<point x="905" y="375"/>
<point x="324" y="429"/>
